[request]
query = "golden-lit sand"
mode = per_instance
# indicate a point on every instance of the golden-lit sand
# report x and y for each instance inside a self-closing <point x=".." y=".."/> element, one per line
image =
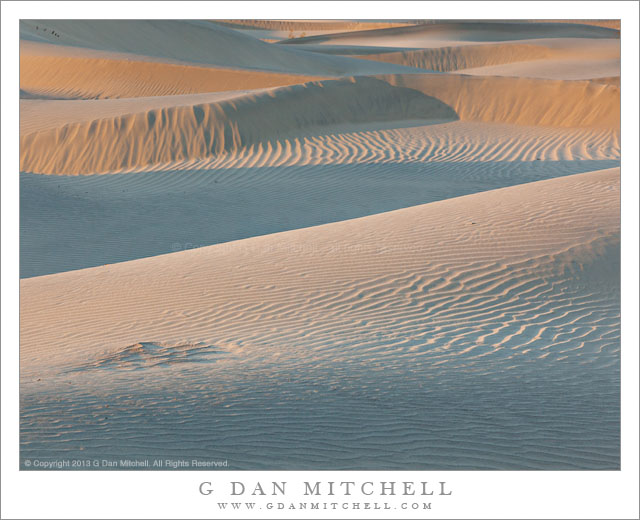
<point x="321" y="244"/>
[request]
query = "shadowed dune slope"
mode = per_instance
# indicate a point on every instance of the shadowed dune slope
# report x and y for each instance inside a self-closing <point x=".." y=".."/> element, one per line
<point x="461" y="31"/>
<point x="522" y="101"/>
<point x="307" y="25"/>
<point x="179" y="133"/>
<point x="47" y="114"/>
<point x="583" y="52"/>
<point x="473" y="333"/>
<point x="338" y="173"/>
<point x="194" y="42"/>
<point x="446" y="59"/>
<point x="490" y="322"/>
<point x="611" y="24"/>
<point x="504" y="226"/>
<point x="289" y="257"/>
<point x="613" y="80"/>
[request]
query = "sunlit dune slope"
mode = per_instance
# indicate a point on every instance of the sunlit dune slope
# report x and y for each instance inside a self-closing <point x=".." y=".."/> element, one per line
<point x="446" y="59"/>
<point x="384" y="246"/>
<point x="569" y="69"/>
<point x="299" y="281"/>
<point x="565" y="54"/>
<point x="51" y="72"/>
<point x="178" y="133"/>
<point x="46" y="114"/>
<point x="302" y="180"/>
<point x="521" y="100"/>
<point x="348" y="340"/>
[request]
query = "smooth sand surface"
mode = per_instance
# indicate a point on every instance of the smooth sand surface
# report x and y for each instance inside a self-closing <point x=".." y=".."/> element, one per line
<point x="387" y="245"/>
<point x="552" y="69"/>
<point x="278" y="30"/>
<point x="71" y="77"/>
<point x="193" y="42"/>
<point x="435" y="35"/>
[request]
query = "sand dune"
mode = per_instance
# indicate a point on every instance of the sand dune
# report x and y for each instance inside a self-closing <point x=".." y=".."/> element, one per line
<point x="428" y="35"/>
<point x="180" y="133"/>
<point x="612" y="24"/>
<point x="177" y="133"/>
<point x="446" y="59"/>
<point x="613" y="80"/>
<point x="477" y="292"/>
<point x="193" y="42"/>
<point x="553" y="69"/>
<point x="443" y="228"/>
<point x="278" y="30"/>
<point x="37" y="115"/>
<point x="311" y="25"/>
<point x="85" y="75"/>
<point x="387" y="245"/>
<point x="521" y="101"/>
<point x="293" y="182"/>
<point x="563" y="56"/>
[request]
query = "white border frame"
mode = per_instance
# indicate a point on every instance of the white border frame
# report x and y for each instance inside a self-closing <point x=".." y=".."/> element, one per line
<point x="175" y="494"/>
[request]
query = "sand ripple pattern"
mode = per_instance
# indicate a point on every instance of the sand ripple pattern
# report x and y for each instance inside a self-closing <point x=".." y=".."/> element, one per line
<point x="288" y="184"/>
<point x="149" y="354"/>
<point x="441" y="336"/>
<point x="200" y="131"/>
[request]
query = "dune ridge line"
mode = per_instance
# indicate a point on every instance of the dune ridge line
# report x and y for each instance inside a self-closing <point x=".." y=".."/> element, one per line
<point x="179" y="133"/>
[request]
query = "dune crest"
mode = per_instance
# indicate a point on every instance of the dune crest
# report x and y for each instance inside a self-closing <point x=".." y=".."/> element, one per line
<point x="71" y="77"/>
<point x="197" y="42"/>
<point x="552" y="213"/>
<point x="491" y="54"/>
<point x="385" y="245"/>
<point x="348" y="340"/>
<point x="180" y="133"/>
<point x="461" y="31"/>
<point x="447" y="59"/>
<point x="522" y="101"/>
<point x="296" y="181"/>
<point x="307" y="25"/>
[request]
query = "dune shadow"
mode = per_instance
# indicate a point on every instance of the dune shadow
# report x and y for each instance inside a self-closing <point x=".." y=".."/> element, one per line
<point x="69" y="223"/>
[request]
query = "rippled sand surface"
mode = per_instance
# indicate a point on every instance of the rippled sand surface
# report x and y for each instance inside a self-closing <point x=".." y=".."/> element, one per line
<point x="378" y="246"/>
